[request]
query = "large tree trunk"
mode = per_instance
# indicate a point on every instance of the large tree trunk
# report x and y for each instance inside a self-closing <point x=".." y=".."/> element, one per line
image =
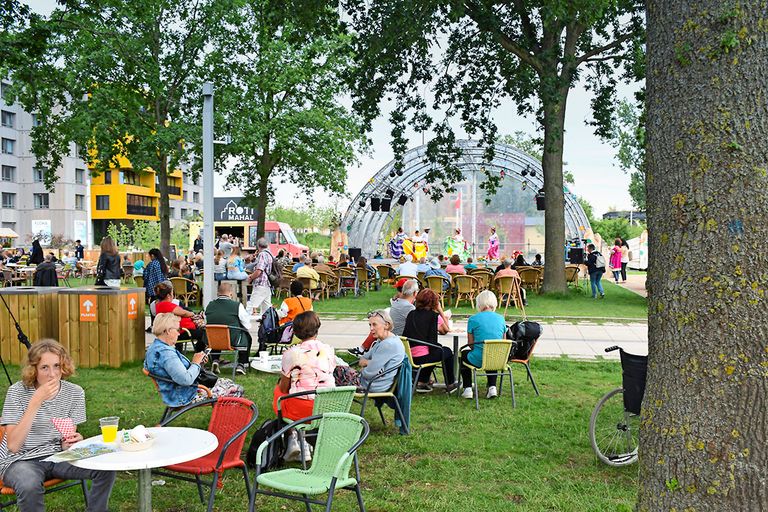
<point x="704" y="429"/>
<point x="164" y="208"/>
<point x="554" y="215"/>
<point x="261" y="204"/>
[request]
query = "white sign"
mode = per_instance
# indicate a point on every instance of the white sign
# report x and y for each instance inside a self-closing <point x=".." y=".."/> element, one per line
<point x="81" y="230"/>
<point x="41" y="228"/>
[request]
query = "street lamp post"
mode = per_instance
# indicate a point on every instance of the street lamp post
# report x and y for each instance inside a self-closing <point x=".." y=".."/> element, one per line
<point x="208" y="233"/>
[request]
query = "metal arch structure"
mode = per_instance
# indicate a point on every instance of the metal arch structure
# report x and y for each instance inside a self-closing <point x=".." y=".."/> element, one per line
<point x="365" y="227"/>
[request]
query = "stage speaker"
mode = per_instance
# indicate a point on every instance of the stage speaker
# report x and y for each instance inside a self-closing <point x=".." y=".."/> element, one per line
<point x="540" y="204"/>
<point x="386" y="204"/>
<point x="355" y="253"/>
<point x="576" y="255"/>
<point x="375" y="204"/>
<point x="403" y="199"/>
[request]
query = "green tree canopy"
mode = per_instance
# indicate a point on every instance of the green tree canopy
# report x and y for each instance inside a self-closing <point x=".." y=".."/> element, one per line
<point x="279" y="87"/>
<point x="628" y="137"/>
<point x="117" y="78"/>
<point x="474" y="53"/>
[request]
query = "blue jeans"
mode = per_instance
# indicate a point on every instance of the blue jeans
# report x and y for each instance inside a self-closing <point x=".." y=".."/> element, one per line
<point x="597" y="286"/>
<point x="27" y="477"/>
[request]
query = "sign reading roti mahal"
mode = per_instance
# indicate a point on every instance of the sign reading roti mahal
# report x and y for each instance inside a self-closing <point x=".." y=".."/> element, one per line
<point x="229" y="209"/>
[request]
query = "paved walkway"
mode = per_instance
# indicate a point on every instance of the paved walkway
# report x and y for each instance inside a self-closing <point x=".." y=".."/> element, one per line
<point x="636" y="283"/>
<point x="578" y="341"/>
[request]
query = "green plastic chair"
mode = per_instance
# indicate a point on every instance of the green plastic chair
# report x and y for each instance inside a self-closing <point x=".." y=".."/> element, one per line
<point x="336" y="399"/>
<point x="338" y="439"/>
<point x="495" y="360"/>
<point x="382" y="397"/>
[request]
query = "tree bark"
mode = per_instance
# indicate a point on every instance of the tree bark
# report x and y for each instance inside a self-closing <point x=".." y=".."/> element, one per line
<point x="261" y="205"/>
<point x="704" y="425"/>
<point x="164" y="207"/>
<point x="554" y="214"/>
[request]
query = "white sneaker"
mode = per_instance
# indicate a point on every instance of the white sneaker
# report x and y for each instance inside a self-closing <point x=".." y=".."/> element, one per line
<point x="467" y="393"/>
<point x="492" y="392"/>
<point x="292" y="449"/>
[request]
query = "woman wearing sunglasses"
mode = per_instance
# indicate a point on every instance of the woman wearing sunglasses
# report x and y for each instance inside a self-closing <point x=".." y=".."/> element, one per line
<point x="386" y="352"/>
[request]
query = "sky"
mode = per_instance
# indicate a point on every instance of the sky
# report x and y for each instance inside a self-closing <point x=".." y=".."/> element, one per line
<point x="597" y="175"/>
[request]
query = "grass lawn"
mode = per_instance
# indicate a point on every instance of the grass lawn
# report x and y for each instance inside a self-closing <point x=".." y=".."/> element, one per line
<point x="536" y="457"/>
<point x="618" y="303"/>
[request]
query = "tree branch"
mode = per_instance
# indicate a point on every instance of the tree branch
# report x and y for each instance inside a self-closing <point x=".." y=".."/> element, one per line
<point x="473" y="11"/>
<point x="528" y="29"/>
<point x="610" y="46"/>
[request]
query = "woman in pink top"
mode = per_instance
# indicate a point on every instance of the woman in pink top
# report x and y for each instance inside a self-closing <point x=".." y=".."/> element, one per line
<point x="615" y="262"/>
<point x="305" y="367"/>
<point x="455" y="267"/>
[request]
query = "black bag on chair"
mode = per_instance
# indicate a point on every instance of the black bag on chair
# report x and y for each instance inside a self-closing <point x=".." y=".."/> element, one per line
<point x="206" y="378"/>
<point x="525" y="335"/>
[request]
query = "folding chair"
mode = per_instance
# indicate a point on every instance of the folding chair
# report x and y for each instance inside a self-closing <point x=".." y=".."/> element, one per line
<point x="220" y="338"/>
<point x="510" y="286"/>
<point x="338" y="439"/>
<point x="495" y="361"/>
<point x="230" y="420"/>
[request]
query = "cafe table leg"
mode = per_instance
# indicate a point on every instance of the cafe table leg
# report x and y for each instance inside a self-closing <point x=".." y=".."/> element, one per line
<point x="145" y="490"/>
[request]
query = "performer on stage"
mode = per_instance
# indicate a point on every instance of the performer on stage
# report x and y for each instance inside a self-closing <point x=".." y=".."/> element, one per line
<point x="493" y="245"/>
<point x="396" y="243"/>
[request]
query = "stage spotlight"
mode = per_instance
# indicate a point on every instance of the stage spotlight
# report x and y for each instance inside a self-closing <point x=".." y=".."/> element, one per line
<point x="523" y="172"/>
<point x="389" y="193"/>
<point x="399" y="172"/>
<point x="391" y="174"/>
<point x="524" y="185"/>
<point x="362" y="204"/>
<point x="386" y="204"/>
<point x="375" y="204"/>
<point x="403" y="199"/>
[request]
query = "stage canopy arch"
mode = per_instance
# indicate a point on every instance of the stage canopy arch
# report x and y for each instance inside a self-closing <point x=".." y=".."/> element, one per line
<point x="370" y="230"/>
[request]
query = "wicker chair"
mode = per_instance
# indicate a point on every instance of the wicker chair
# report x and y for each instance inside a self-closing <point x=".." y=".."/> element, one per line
<point x="530" y="278"/>
<point x="186" y="290"/>
<point x="510" y="286"/>
<point x="467" y="288"/>
<point x="495" y="361"/>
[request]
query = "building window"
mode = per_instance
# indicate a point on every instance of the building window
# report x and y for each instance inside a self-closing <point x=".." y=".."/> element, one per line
<point x="4" y="90"/>
<point x="141" y="205"/>
<point x="79" y="202"/>
<point x="38" y="174"/>
<point x="195" y="179"/>
<point x="41" y="201"/>
<point x="36" y="120"/>
<point x="7" y="119"/>
<point x="172" y="214"/>
<point x="108" y="177"/>
<point x="196" y="197"/>
<point x="185" y="178"/>
<point x="80" y="176"/>
<point x="7" y="146"/>
<point x="129" y="178"/>
<point x="102" y="202"/>
<point x="185" y="195"/>
<point x="9" y="200"/>
<point x="9" y="225"/>
<point x="183" y="213"/>
<point x="195" y="213"/>
<point x="78" y="150"/>
<point x="9" y="173"/>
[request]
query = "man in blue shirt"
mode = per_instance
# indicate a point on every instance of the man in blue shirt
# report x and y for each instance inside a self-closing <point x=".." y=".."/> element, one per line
<point x="436" y="270"/>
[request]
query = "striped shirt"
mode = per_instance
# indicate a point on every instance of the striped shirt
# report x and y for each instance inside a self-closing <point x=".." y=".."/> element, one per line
<point x="43" y="438"/>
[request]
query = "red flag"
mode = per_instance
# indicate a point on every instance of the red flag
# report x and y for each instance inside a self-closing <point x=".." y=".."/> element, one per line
<point x="458" y="201"/>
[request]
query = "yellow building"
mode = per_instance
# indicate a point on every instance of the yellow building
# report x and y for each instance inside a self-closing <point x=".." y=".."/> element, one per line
<point x="124" y="195"/>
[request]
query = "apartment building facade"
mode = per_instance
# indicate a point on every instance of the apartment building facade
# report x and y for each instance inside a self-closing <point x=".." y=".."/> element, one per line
<point x="80" y="206"/>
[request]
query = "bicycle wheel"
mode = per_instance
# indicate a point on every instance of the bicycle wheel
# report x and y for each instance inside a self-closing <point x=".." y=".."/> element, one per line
<point x="614" y="431"/>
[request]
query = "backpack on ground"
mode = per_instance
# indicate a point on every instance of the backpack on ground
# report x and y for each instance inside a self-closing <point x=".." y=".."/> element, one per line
<point x="599" y="260"/>
<point x="525" y="334"/>
<point x="273" y="455"/>
<point x="269" y="329"/>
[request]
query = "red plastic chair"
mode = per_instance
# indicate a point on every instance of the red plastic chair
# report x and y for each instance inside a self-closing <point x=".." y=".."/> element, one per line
<point x="230" y="420"/>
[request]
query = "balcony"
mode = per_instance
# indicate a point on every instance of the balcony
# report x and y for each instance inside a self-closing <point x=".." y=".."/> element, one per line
<point x="174" y="191"/>
<point x="148" y="211"/>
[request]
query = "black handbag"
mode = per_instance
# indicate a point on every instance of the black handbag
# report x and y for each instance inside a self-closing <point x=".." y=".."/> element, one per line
<point x="206" y="378"/>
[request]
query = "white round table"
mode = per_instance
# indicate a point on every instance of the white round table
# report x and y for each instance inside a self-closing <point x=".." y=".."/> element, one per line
<point x="273" y="366"/>
<point x="173" y="445"/>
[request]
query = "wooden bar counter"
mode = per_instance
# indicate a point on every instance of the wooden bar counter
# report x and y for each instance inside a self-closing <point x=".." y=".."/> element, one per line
<point x="102" y="326"/>
<point x="36" y="310"/>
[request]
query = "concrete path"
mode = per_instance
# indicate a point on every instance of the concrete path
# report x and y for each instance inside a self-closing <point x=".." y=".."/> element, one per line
<point x="578" y="341"/>
<point x="635" y="283"/>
